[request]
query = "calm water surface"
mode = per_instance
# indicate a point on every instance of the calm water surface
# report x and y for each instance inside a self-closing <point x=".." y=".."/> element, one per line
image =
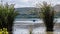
<point x="39" y="30"/>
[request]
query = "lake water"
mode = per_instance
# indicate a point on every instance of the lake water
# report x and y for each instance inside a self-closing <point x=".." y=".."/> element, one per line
<point x="39" y="30"/>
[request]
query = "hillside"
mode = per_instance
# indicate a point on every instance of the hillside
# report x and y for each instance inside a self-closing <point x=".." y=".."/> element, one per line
<point x="25" y="12"/>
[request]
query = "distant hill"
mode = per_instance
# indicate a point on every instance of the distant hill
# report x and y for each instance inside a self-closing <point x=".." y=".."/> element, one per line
<point x="25" y="12"/>
<point x="57" y="8"/>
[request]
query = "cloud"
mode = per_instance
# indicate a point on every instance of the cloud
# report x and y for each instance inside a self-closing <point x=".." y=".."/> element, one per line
<point x="18" y="5"/>
<point x="23" y="3"/>
<point x="24" y="0"/>
<point x="29" y="3"/>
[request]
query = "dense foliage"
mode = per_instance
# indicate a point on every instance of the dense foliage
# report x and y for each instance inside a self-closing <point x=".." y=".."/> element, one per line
<point x="48" y="16"/>
<point x="7" y="16"/>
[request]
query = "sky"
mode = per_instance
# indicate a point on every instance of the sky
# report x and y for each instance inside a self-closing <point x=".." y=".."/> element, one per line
<point x="29" y="3"/>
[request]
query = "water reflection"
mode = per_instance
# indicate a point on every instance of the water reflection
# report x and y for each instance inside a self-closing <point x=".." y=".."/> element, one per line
<point x="35" y="31"/>
<point x="39" y="30"/>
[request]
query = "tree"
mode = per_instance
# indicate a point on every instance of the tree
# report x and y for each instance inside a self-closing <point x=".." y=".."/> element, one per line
<point x="46" y="12"/>
<point x="48" y="16"/>
<point x="7" y="16"/>
<point x="10" y="16"/>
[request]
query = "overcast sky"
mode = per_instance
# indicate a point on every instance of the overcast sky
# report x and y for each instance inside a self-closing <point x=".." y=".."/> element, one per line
<point x="29" y="3"/>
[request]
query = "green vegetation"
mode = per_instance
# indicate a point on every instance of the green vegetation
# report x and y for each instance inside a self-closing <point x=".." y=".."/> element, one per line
<point x="47" y="13"/>
<point x="48" y="16"/>
<point x="7" y="16"/>
<point x="4" y="31"/>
